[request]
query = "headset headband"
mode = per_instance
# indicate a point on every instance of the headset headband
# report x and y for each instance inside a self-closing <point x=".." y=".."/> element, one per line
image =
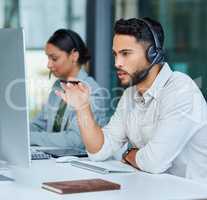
<point x="154" y="34"/>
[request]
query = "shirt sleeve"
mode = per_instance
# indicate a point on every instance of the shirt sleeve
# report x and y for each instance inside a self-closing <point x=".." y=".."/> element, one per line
<point x="114" y="133"/>
<point x="180" y="118"/>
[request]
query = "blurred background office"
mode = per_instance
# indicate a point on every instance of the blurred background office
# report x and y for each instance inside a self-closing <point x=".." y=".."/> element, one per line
<point x="184" y="22"/>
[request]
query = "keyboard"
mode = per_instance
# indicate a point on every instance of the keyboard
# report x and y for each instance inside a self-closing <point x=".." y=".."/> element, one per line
<point x="65" y="152"/>
<point x="39" y="155"/>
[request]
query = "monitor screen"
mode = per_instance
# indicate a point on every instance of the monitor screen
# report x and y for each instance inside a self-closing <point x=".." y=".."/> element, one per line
<point x="14" y="118"/>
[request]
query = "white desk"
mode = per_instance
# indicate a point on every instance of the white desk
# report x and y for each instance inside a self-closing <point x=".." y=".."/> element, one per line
<point x="138" y="186"/>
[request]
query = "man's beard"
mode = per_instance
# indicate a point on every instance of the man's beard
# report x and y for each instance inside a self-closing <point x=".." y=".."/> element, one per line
<point x="135" y="78"/>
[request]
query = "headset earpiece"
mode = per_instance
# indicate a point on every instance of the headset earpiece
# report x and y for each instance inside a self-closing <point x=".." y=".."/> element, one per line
<point x="151" y="54"/>
<point x="154" y="53"/>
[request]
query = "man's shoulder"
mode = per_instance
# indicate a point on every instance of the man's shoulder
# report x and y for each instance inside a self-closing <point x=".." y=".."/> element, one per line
<point x="179" y="85"/>
<point x="181" y="76"/>
<point x="180" y="80"/>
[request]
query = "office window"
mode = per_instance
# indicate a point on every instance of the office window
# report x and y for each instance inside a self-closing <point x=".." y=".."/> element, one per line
<point x="39" y="20"/>
<point x="9" y="13"/>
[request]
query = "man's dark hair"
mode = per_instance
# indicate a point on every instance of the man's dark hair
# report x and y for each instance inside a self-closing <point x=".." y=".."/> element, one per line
<point x="140" y="30"/>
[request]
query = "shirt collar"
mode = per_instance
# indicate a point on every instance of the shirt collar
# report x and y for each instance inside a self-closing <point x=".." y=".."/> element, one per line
<point x="160" y="81"/>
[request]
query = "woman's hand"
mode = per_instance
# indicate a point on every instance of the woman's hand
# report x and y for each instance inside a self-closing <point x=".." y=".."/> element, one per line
<point x="76" y="95"/>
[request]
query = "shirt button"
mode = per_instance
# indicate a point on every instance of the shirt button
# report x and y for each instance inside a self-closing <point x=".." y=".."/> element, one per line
<point x="142" y="101"/>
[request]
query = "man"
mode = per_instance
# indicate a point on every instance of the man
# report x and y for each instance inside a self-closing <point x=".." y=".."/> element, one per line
<point x="162" y="114"/>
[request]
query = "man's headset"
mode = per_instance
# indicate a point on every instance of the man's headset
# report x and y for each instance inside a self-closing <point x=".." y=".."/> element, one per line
<point x="154" y="54"/>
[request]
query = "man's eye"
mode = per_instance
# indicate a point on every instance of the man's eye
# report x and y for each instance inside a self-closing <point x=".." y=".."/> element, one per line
<point x="125" y="53"/>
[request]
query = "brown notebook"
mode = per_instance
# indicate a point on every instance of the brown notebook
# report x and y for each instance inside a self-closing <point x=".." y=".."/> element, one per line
<point x="77" y="186"/>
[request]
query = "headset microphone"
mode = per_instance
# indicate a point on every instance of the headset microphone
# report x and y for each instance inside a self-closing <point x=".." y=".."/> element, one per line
<point x="139" y="77"/>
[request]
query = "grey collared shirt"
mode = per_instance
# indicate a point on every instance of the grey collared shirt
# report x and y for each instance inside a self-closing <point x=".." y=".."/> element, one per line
<point x="69" y="136"/>
<point x="168" y="124"/>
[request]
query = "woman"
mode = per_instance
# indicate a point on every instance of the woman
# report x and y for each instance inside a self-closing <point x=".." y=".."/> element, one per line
<point x="56" y="125"/>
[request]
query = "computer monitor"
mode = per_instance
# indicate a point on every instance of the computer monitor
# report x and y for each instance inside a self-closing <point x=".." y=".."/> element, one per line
<point x="14" y="118"/>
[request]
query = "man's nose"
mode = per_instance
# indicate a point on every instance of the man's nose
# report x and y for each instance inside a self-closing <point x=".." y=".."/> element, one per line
<point x="118" y="63"/>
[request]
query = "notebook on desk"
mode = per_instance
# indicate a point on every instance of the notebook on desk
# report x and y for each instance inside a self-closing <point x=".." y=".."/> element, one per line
<point x="77" y="186"/>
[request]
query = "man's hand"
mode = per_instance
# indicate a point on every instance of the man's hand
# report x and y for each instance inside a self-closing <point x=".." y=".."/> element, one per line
<point x="76" y="95"/>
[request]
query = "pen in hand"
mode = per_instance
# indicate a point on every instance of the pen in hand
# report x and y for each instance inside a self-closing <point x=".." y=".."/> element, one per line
<point x="72" y="82"/>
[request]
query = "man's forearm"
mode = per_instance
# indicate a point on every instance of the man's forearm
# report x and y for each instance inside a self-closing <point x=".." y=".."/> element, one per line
<point x="92" y="134"/>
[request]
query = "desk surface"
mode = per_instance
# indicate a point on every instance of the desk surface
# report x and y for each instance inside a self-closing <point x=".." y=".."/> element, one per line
<point x="138" y="185"/>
